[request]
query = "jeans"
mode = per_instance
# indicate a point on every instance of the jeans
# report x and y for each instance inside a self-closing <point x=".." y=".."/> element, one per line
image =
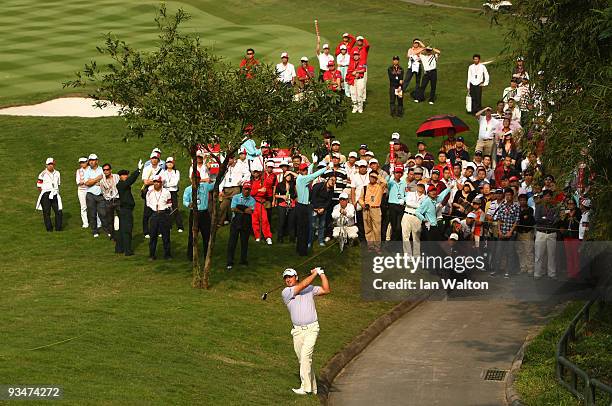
<point x="96" y="209"/>
<point x="318" y="225"/>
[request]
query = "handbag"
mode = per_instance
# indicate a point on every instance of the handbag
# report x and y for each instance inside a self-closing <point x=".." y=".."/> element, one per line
<point x="468" y="103"/>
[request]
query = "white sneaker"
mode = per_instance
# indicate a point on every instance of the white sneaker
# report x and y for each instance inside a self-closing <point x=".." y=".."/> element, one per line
<point x="269" y="241"/>
<point x="147" y="236"/>
<point x="416" y="101"/>
<point x="257" y="239"/>
<point x="96" y="235"/>
<point x="180" y="230"/>
<point x="321" y="244"/>
<point x="354" y="110"/>
<point x="327" y="239"/>
<point x="85" y="226"/>
<point x="300" y="391"/>
<point x="360" y="111"/>
<point x="430" y="102"/>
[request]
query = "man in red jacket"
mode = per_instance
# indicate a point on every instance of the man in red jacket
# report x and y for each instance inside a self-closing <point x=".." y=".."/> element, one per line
<point x="332" y="76"/>
<point x="259" y="218"/>
<point x="355" y="78"/>
<point x="249" y="64"/>
<point x="347" y="40"/>
<point x="305" y="73"/>
<point x="363" y="46"/>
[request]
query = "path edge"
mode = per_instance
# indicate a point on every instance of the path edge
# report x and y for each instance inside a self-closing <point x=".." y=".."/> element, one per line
<point x="512" y="396"/>
<point x="341" y="359"/>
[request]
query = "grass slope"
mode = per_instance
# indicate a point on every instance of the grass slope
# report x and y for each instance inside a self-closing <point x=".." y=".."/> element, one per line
<point x="142" y="334"/>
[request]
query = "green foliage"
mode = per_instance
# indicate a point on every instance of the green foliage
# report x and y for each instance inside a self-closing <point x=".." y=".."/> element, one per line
<point x="569" y="41"/>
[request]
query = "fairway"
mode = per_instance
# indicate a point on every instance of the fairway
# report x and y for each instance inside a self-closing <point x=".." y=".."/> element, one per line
<point x="137" y="332"/>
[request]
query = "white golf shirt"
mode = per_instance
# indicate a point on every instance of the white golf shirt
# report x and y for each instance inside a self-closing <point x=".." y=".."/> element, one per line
<point x="477" y="74"/>
<point x="324" y="60"/>
<point x="286" y="73"/>
<point x="487" y="128"/>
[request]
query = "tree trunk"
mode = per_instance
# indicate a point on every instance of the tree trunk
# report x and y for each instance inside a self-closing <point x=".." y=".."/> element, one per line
<point x="197" y="279"/>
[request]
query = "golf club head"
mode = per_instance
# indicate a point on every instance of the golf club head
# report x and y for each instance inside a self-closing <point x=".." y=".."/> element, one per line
<point x="264" y="296"/>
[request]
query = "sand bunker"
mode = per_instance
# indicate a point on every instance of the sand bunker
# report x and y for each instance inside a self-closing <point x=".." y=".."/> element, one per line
<point x="63" y="107"/>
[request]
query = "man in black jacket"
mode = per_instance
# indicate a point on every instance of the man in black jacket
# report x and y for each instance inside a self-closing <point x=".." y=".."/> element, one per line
<point x="126" y="210"/>
<point x="320" y="199"/>
<point x="525" y="235"/>
<point x="396" y="80"/>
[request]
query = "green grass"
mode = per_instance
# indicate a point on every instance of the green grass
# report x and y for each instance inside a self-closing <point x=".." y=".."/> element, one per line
<point x="142" y="334"/>
<point x="536" y="381"/>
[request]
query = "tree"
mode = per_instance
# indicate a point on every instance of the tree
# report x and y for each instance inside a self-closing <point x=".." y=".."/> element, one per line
<point x="568" y="43"/>
<point x="192" y="99"/>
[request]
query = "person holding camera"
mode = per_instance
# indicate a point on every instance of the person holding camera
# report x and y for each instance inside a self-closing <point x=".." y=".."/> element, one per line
<point x="298" y="296"/>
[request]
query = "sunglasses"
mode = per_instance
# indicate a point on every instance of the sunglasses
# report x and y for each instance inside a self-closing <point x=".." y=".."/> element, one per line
<point x="249" y="53"/>
<point x="106" y="169"/>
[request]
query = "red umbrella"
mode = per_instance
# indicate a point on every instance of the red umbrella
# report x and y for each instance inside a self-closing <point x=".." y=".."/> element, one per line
<point x="439" y="126"/>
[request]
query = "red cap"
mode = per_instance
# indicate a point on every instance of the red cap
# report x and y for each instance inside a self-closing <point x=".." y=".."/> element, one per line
<point x="330" y="63"/>
<point x="246" y="185"/>
<point x="398" y="169"/>
<point x="431" y="188"/>
<point x="303" y="166"/>
<point x="513" y="179"/>
<point x="356" y="52"/>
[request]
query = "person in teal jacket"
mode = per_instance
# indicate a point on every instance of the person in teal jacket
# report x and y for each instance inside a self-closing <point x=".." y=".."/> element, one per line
<point x="204" y="189"/>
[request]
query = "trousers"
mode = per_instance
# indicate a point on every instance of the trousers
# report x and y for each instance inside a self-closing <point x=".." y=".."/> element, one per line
<point x="111" y="209"/>
<point x="408" y="78"/>
<point x="358" y="94"/>
<point x="476" y="94"/>
<point x="177" y="217"/>
<point x="411" y="227"/>
<point x="240" y="228"/>
<point x="146" y="218"/>
<point x="126" y="225"/>
<point x="96" y="209"/>
<point x="318" y="225"/>
<point x="226" y="202"/>
<point x="302" y="223"/>
<point x="431" y="78"/>
<point x="524" y="250"/>
<point x="371" y="224"/>
<point x="545" y="250"/>
<point x="261" y="223"/>
<point x="396" y="215"/>
<point x="82" y="193"/>
<point x="203" y="230"/>
<point x="286" y="223"/>
<point x="304" y="340"/>
<point x="48" y="204"/>
<point x="160" y="224"/>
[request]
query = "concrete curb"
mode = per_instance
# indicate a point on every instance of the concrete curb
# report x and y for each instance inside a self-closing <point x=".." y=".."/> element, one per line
<point x="512" y="396"/>
<point x="333" y="367"/>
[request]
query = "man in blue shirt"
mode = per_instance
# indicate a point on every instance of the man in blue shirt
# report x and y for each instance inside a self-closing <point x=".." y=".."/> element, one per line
<point x="426" y="212"/>
<point x="303" y="211"/>
<point x="396" y="191"/>
<point x="204" y="188"/>
<point x="242" y="207"/>
<point x="96" y="206"/>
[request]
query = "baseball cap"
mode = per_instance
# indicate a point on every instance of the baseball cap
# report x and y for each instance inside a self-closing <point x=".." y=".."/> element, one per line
<point x="356" y="52"/>
<point x="325" y="46"/>
<point x="359" y="37"/>
<point x="270" y="164"/>
<point x="284" y="55"/>
<point x="335" y="142"/>
<point x="361" y="162"/>
<point x="156" y="150"/>
<point x="264" y="144"/>
<point x="470" y="166"/>
<point x="303" y="166"/>
<point x="92" y="157"/>
<point x="373" y="161"/>
<point x="246" y="185"/>
<point x="330" y="63"/>
<point x="346" y="34"/>
<point x="352" y="154"/>
<point x="49" y="161"/>
<point x="284" y="163"/>
<point x="343" y="46"/>
<point x="431" y="188"/>
<point x="199" y="153"/>
<point x="153" y="155"/>
<point x="460" y="138"/>
<point x="157" y="178"/>
<point x="513" y="178"/>
<point x="369" y="153"/>
<point x="82" y="159"/>
<point x="454" y="236"/>
<point x="501" y="191"/>
<point x="477" y="200"/>
<point x="363" y="146"/>
<point x="396" y="57"/>
<point x="170" y="159"/>
<point x="549" y="177"/>
<point x="373" y="173"/>
<point x="471" y="215"/>
<point x="586" y="202"/>
<point x="455" y="220"/>
<point x="478" y="153"/>
<point x="343" y="196"/>
<point x="418" y="170"/>
<point x="419" y="156"/>
<point x="242" y="151"/>
<point x="398" y="169"/>
<point x="304" y="59"/>
<point x="395" y="136"/>
<point x="335" y="155"/>
<point x="289" y="272"/>
<point x="436" y="171"/>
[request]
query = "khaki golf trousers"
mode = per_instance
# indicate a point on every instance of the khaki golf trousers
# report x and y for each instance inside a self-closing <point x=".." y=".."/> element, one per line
<point x="411" y="226"/>
<point x="304" y="340"/>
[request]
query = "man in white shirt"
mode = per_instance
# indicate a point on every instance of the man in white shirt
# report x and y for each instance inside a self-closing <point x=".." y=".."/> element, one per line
<point x="324" y="58"/>
<point x="108" y="184"/>
<point x="148" y="173"/>
<point x="486" y="131"/>
<point x="511" y="91"/>
<point x="234" y="177"/>
<point x="82" y="190"/>
<point x="358" y="180"/>
<point x="286" y="70"/>
<point x="95" y="201"/>
<point x="429" y="60"/>
<point x="411" y="225"/>
<point x="345" y="211"/>
<point x="172" y="177"/>
<point x="201" y="165"/>
<point x="159" y="202"/>
<point x="48" y="184"/>
<point x="477" y="78"/>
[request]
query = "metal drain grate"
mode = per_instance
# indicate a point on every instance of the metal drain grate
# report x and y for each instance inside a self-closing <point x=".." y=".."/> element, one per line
<point x="495" y="375"/>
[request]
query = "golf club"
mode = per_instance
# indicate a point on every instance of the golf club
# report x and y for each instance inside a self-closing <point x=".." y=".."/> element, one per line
<point x="264" y="296"/>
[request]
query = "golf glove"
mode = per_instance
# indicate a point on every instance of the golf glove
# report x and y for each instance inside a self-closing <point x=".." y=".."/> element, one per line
<point x="315" y="158"/>
<point x="140" y="164"/>
<point x="320" y="271"/>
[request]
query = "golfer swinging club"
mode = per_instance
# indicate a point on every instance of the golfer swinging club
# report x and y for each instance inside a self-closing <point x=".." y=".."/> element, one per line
<point x="299" y="298"/>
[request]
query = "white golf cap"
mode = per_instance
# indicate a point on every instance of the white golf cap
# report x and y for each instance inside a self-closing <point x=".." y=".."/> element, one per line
<point x="157" y="178"/>
<point x="335" y="155"/>
<point x="82" y="159"/>
<point x="270" y="164"/>
<point x="353" y="154"/>
<point x="92" y="157"/>
<point x="335" y="142"/>
<point x="200" y="153"/>
<point x="471" y="215"/>
<point x="361" y="162"/>
<point x="289" y="272"/>
<point x="170" y="159"/>
<point x="369" y="153"/>
<point x="325" y="46"/>
<point x="359" y="37"/>
<point x="264" y="144"/>
<point x="373" y="161"/>
<point x="454" y="236"/>
<point x="346" y="34"/>
<point x="284" y="55"/>
<point x="419" y="156"/>
<point x="156" y="150"/>
<point x="154" y="155"/>
<point x="343" y="47"/>
<point x="395" y="136"/>
<point x="304" y="59"/>
<point x="470" y="165"/>
<point x="586" y="202"/>
<point x="343" y="196"/>
<point x="49" y="161"/>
